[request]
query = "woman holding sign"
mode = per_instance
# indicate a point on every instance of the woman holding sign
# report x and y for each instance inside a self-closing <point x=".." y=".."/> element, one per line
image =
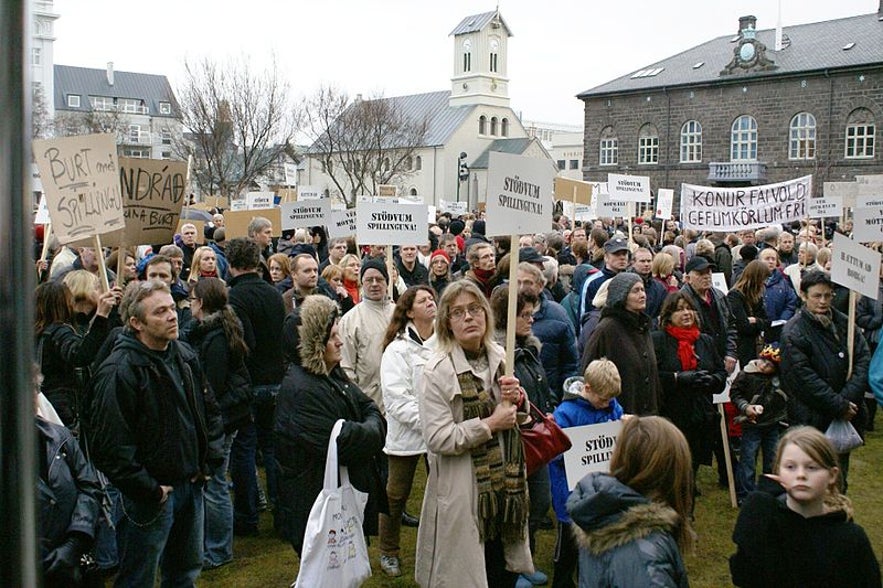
<point x="473" y="526"/>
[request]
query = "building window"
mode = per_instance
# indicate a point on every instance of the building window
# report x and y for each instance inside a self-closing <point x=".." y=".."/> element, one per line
<point x="504" y="127"/>
<point x="609" y="147"/>
<point x="743" y="139"/>
<point x="860" y="132"/>
<point x="166" y="154"/>
<point x="409" y="163"/>
<point x="418" y="163"/>
<point x="574" y="164"/>
<point x="141" y="153"/>
<point x="562" y="165"/>
<point x="36" y="56"/>
<point x="648" y="145"/>
<point x="495" y="47"/>
<point x="802" y="137"/>
<point x="165" y="108"/>
<point x="494" y="126"/>
<point x="467" y="55"/>
<point x="482" y="125"/>
<point x="73" y="101"/>
<point x="413" y="192"/>
<point x="135" y="133"/>
<point x="132" y="106"/>
<point x="691" y="142"/>
<point x="166" y="135"/>
<point x="101" y="102"/>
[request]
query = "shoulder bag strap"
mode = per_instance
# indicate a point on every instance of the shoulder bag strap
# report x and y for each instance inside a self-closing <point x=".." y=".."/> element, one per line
<point x="332" y="468"/>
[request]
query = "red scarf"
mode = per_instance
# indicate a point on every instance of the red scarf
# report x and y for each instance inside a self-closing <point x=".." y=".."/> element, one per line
<point x="686" y="337"/>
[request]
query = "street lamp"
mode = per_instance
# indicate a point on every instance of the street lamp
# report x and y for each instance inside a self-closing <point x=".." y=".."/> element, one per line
<point x="462" y="172"/>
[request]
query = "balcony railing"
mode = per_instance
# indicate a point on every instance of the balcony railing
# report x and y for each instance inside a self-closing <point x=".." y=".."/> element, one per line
<point x="737" y="171"/>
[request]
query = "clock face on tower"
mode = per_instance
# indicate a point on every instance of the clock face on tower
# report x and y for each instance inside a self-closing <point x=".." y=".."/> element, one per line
<point x="746" y="52"/>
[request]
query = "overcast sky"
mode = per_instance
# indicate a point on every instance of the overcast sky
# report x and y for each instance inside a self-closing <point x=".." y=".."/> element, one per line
<point x="395" y="47"/>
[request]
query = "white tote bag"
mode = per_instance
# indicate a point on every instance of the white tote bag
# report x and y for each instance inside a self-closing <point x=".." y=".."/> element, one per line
<point x="334" y="553"/>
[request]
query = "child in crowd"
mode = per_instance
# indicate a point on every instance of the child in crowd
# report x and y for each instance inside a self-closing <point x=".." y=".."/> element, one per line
<point x="587" y="401"/>
<point x="758" y="395"/>
<point x="799" y="532"/>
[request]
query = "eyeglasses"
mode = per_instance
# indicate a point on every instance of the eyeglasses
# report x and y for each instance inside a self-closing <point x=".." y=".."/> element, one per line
<point x="374" y="280"/>
<point x="473" y="310"/>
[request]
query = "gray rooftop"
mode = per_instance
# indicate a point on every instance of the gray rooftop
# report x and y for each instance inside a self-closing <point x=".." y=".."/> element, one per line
<point x="813" y="47"/>
<point x="85" y="82"/>
<point x="477" y="22"/>
<point x="513" y="146"/>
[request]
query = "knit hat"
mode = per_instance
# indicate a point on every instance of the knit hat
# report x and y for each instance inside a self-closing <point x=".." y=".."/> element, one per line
<point x="478" y="227"/>
<point x="374" y="264"/>
<point x="456" y="227"/>
<point x="600" y="299"/>
<point x="748" y="253"/>
<point x="619" y="287"/>
<point x="439" y="253"/>
<point x="771" y="353"/>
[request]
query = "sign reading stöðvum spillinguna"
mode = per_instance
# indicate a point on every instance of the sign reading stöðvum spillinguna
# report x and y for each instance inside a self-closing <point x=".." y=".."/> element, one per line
<point x="519" y="194"/>
<point x="590" y="451"/>
<point x="379" y="223"/>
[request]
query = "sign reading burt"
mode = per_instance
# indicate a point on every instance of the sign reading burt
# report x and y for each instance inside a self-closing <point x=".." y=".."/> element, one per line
<point x="733" y="209"/>
<point x="304" y="213"/>
<point x="341" y="223"/>
<point x="153" y="194"/>
<point x="81" y="179"/>
<point x="628" y="188"/>
<point x="378" y="223"/>
<point x="591" y="450"/>
<point x="855" y="266"/>
<point x="519" y="194"/>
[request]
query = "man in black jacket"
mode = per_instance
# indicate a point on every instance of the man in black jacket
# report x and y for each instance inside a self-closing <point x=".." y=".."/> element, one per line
<point x="156" y="434"/>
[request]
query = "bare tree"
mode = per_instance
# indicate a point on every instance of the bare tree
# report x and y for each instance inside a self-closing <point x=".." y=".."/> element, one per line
<point x="41" y="124"/>
<point x="238" y="121"/>
<point x="361" y="143"/>
<point x="67" y="124"/>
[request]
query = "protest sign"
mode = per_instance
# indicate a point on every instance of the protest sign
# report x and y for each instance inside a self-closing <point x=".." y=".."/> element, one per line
<point x="724" y="396"/>
<point x="569" y="190"/>
<point x="200" y="229"/>
<point x="81" y="179"/>
<point x="42" y="216"/>
<point x="867" y="225"/>
<point x="822" y="207"/>
<point x="519" y="194"/>
<point x="578" y="212"/>
<point x="869" y="185"/>
<point x="590" y="451"/>
<point x="236" y="221"/>
<point x="308" y="193"/>
<point x="259" y="200"/>
<point x="605" y="207"/>
<point x="341" y="223"/>
<point x="386" y="191"/>
<point x="709" y="208"/>
<point x="153" y="194"/>
<point x="855" y="266"/>
<point x="455" y="208"/>
<point x="628" y="188"/>
<point x="378" y="224"/>
<point x="845" y="190"/>
<point x="238" y="204"/>
<point x="719" y="281"/>
<point x="431" y="214"/>
<point x="665" y="198"/>
<point x="304" y="213"/>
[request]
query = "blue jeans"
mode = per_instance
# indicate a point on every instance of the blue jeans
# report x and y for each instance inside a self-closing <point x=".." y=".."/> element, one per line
<point x="756" y="439"/>
<point x="264" y="410"/>
<point x="106" y="555"/>
<point x="151" y="536"/>
<point x="244" y="476"/>
<point x="219" y="514"/>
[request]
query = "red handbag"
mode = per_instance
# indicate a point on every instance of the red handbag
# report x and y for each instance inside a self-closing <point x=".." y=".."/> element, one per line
<point x="542" y="438"/>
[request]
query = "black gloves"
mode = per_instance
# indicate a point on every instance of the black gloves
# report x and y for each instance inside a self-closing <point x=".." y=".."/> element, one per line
<point x="62" y="564"/>
<point x="696" y="379"/>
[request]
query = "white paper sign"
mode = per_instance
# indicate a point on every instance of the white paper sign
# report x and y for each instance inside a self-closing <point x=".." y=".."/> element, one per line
<point x="869" y="185"/>
<point x="304" y="214"/>
<point x="719" y="281"/>
<point x="604" y="207"/>
<point x="259" y="200"/>
<point x="308" y="193"/>
<point x="431" y="214"/>
<point x="664" y="201"/>
<point x="455" y="208"/>
<point x="822" y="207"/>
<point x="238" y="204"/>
<point x="591" y="450"/>
<point x="855" y="266"/>
<point x="519" y="194"/>
<point x="341" y="223"/>
<point x="378" y="223"/>
<point x="868" y="201"/>
<point x="628" y="188"/>
<point x="867" y="224"/>
<point x="724" y="396"/>
<point x="845" y="190"/>
<point x="42" y="217"/>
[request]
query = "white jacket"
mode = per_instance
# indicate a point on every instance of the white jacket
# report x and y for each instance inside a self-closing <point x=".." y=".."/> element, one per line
<point x="401" y="371"/>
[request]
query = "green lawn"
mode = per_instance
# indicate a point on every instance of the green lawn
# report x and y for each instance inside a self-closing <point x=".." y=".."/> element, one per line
<point x="268" y="561"/>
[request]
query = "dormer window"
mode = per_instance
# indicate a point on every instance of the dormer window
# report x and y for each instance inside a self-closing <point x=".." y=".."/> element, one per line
<point x="165" y="108"/>
<point x="73" y="100"/>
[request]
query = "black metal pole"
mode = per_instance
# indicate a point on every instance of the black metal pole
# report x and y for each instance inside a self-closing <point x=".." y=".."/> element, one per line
<point x="18" y="543"/>
<point x="458" y="185"/>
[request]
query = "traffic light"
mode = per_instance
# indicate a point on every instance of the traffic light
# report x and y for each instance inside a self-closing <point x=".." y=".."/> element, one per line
<point x="463" y="169"/>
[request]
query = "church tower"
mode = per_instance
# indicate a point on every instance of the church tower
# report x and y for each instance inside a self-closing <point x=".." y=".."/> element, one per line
<point x="480" y="53"/>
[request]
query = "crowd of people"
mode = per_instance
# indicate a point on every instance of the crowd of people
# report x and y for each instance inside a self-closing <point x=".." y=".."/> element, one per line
<point x="202" y="364"/>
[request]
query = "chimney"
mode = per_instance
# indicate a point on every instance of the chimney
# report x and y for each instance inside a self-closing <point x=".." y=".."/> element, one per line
<point x="779" y="44"/>
<point x="746" y="21"/>
<point x="110" y="72"/>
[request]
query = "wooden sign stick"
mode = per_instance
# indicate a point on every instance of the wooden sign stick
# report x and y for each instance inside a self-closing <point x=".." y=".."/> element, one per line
<point x="102" y="267"/>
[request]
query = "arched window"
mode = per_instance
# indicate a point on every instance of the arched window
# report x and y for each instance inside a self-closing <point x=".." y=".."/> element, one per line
<point x="691" y="142"/>
<point x="608" y="147"/>
<point x="482" y="125"/>
<point x="418" y="163"/>
<point x="494" y="55"/>
<point x="743" y="139"/>
<point x="504" y="127"/>
<point x="802" y="136"/>
<point x="648" y="145"/>
<point x="413" y="192"/>
<point x="494" y="126"/>
<point x="860" y="133"/>
<point x="386" y="164"/>
<point x="467" y="55"/>
<point x="409" y="163"/>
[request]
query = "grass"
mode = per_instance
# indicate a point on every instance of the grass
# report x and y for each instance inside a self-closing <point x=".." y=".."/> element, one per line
<point x="268" y="561"/>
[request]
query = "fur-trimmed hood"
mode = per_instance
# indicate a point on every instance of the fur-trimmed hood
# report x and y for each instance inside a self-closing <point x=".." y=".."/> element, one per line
<point x="529" y="341"/>
<point x="307" y="330"/>
<point x="607" y="514"/>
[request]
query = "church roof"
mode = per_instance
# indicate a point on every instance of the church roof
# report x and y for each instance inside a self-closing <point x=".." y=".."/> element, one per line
<point x="85" y="82"/>
<point x="833" y="44"/>
<point x="513" y="146"/>
<point x="477" y="22"/>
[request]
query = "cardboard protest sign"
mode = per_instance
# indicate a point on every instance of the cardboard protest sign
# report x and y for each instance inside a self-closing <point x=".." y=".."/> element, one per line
<point x="519" y="194"/>
<point x="822" y="207"/>
<point x="236" y="221"/>
<point x="259" y="200"/>
<point x="200" y="229"/>
<point x="855" y="266"/>
<point x="386" y="190"/>
<point x="341" y="223"/>
<point x="665" y="198"/>
<point x="708" y="208"/>
<point x="82" y="185"/>
<point x="378" y="224"/>
<point x="42" y="216"/>
<point x="628" y="188"/>
<point x="153" y="195"/>
<point x="308" y="193"/>
<point x="304" y="213"/>
<point x="591" y="450"/>
<point x="569" y="190"/>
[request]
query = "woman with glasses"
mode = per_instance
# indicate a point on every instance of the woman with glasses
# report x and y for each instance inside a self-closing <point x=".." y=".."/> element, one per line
<point x="351" y="266"/>
<point x="473" y="526"/>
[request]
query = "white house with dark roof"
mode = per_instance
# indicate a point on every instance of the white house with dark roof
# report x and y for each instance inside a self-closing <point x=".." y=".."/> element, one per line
<point x="473" y="117"/>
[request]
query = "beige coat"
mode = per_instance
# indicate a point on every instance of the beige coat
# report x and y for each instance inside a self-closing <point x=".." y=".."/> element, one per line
<point x="449" y="552"/>
<point x="362" y="330"/>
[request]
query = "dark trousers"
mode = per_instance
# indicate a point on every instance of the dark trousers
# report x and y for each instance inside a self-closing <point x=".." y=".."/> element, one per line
<point x="244" y="476"/>
<point x="566" y="557"/>
<point x="495" y="566"/>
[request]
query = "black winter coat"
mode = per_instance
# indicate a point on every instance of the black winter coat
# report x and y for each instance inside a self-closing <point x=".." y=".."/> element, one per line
<point x="814" y="367"/>
<point x="716" y="320"/>
<point x="529" y="371"/>
<point x="746" y="331"/>
<point x="260" y="308"/>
